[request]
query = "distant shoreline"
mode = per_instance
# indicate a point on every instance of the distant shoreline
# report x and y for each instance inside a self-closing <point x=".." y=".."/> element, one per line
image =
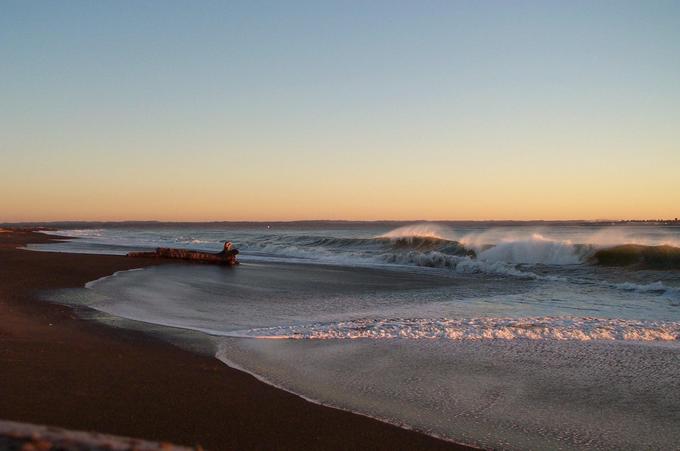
<point x="61" y="225"/>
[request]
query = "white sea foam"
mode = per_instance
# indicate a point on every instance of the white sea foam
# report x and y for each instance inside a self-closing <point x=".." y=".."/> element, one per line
<point x="93" y="283"/>
<point x="670" y="293"/>
<point x="422" y="230"/>
<point x="599" y="238"/>
<point x="553" y="328"/>
<point x="77" y="233"/>
<point x="535" y="249"/>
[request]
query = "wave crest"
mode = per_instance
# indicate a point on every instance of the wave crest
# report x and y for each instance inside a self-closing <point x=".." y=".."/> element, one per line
<point x="536" y="249"/>
<point x="640" y="256"/>
<point x="422" y="230"/>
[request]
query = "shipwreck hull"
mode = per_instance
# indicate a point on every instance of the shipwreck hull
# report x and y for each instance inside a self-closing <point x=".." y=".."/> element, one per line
<point x="189" y="255"/>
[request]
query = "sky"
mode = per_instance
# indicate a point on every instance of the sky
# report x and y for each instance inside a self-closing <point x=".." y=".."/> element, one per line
<point x="177" y="110"/>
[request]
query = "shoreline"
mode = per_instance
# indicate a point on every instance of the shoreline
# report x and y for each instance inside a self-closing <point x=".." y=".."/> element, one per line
<point x="66" y="371"/>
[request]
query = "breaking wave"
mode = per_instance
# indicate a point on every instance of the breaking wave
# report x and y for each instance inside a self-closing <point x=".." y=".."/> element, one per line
<point x="531" y="248"/>
<point x="536" y="249"/>
<point x="554" y="328"/>
<point x="425" y="246"/>
<point x="495" y="250"/>
<point x="422" y="230"/>
<point x="636" y="255"/>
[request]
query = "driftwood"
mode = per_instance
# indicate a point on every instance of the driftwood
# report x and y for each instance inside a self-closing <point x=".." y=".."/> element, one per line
<point x="222" y="258"/>
<point x="25" y="436"/>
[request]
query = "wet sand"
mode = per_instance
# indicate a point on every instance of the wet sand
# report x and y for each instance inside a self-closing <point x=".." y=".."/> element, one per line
<point x="61" y="370"/>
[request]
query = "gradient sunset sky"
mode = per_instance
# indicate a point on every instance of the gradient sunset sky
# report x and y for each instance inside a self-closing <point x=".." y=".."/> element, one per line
<point x="339" y="110"/>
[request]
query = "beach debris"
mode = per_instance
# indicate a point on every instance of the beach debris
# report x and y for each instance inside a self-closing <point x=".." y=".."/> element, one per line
<point x="26" y="436"/>
<point x="226" y="257"/>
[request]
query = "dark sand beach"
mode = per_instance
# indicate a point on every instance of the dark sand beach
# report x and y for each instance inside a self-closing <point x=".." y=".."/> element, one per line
<point x="58" y="369"/>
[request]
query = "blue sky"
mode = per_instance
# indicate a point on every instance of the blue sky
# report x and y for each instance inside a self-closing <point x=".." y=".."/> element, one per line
<point x="339" y="109"/>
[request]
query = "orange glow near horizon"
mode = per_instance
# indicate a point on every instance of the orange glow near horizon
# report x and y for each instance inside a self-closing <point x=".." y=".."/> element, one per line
<point x="477" y="113"/>
<point x="259" y="200"/>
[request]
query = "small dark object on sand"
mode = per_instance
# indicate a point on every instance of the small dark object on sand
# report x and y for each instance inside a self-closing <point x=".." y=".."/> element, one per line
<point x="226" y="257"/>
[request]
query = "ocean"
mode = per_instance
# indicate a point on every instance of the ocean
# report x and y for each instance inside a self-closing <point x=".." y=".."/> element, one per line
<point x="501" y="335"/>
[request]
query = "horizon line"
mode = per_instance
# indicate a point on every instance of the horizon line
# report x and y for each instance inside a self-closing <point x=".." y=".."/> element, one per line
<point x="292" y="221"/>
